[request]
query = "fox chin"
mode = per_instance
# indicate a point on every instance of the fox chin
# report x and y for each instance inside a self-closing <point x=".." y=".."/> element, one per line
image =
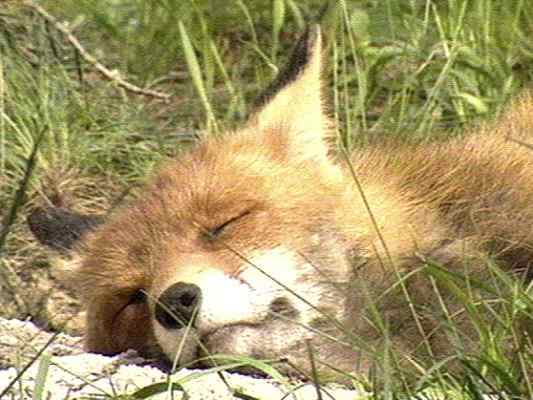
<point x="264" y="242"/>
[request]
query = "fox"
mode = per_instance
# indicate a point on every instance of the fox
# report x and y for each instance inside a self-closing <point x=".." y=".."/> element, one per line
<point x="269" y="243"/>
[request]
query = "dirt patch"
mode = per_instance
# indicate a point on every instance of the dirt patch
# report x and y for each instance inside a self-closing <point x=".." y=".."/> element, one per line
<point x="70" y="373"/>
<point x="31" y="291"/>
<point x="29" y="273"/>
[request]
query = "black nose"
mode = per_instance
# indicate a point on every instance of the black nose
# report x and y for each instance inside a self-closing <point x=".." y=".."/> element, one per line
<point x="177" y="305"/>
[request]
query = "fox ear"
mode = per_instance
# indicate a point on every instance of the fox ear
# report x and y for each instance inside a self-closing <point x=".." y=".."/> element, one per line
<point x="292" y="104"/>
<point x="59" y="228"/>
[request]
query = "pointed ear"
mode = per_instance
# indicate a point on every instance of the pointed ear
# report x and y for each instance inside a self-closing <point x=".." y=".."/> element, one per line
<point x="59" y="228"/>
<point x="292" y="104"/>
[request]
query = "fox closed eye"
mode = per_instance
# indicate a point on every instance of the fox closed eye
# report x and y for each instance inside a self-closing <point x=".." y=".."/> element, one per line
<point x="214" y="233"/>
<point x="131" y="303"/>
<point x="137" y="297"/>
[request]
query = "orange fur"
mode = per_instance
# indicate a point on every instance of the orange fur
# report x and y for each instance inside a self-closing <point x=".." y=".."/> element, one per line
<point x="276" y="183"/>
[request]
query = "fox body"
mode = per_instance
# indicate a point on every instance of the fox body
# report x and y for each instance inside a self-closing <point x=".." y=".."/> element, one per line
<point x="262" y="243"/>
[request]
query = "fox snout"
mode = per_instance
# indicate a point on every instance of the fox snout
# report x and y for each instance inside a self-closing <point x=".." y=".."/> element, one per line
<point x="178" y="305"/>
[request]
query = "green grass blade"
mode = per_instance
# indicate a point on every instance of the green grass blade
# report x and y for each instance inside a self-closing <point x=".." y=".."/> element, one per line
<point x="18" y="200"/>
<point x="196" y="75"/>
<point x="40" y="378"/>
<point x="28" y="365"/>
<point x="158" y="388"/>
<point x="278" y="16"/>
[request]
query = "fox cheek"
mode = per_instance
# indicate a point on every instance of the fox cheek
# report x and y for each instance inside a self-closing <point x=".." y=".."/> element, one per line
<point x="111" y="330"/>
<point x="132" y="327"/>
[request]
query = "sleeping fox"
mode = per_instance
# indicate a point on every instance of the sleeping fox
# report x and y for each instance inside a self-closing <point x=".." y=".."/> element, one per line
<point x="264" y="242"/>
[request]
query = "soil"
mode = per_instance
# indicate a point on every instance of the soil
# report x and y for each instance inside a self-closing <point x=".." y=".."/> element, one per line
<point x="64" y="371"/>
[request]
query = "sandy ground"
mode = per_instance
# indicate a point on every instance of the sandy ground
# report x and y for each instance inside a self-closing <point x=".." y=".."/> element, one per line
<point x="70" y="373"/>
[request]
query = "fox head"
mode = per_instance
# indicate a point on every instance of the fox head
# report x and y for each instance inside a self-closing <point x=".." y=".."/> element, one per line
<point x="234" y="248"/>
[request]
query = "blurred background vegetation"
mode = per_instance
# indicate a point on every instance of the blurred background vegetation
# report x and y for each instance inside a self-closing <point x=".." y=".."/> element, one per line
<point x="410" y="68"/>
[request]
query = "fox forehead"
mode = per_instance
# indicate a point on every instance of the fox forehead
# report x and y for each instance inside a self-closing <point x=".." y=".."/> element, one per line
<point x="216" y="181"/>
<point x="253" y="153"/>
<point x="222" y="178"/>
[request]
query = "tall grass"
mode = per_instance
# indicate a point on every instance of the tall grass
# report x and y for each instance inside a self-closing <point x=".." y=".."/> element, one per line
<point x="415" y="69"/>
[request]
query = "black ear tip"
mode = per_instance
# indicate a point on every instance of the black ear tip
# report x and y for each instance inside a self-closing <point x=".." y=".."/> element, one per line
<point x="305" y="50"/>
<point x="38" y="220"/>
<point x="309" y="39"/>
<point x="313" y="33"/>
<point x="59" y="228"/>
<point x="308" y="44"/>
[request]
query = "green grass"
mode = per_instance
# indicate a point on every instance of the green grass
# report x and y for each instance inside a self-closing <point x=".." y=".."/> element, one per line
<point x="415" y="69"/>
